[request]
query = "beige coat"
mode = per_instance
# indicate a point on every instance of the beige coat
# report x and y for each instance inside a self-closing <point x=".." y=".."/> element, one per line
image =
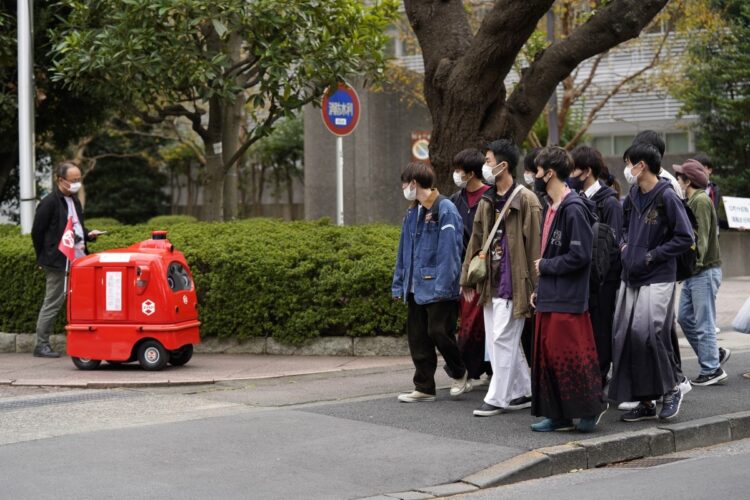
<point x="523" y="230"/>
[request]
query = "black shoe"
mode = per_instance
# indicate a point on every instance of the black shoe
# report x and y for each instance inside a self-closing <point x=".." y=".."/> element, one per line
<point x="670" y="404"/>
<point x="724" y="355"/>
<point x="712" y="378"/>
<point x="640" y="412"/>
<point x="45" y="351"/>
<point x="487" y="410"/>
<point x="519" y="403"/>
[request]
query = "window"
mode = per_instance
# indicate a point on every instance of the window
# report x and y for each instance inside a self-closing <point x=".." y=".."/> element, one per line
<point x="678" y="143"/>
<point x="622" y="143"/>
<point x="603" y="144"/>
<point x="178" y="278"/>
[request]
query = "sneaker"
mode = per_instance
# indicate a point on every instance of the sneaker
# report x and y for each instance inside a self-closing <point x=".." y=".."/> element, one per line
<point x="461" y="385"/>
<point x="45" y="351"/>
<point x="724" y="355"/>
<point x="487" y="410"/>
<point x="685" y="387"/>
<point x="519" y="403"/>
<point x="416" y="397"/>
<point x="671" y="403"/>
<point x="480" y="382"/>
<point x="718" y="330"/>
<point x="640" y="412"/>
<point x="712" y="378"/>
<point x="628" y="405"/>
<point x="553" y="424"/>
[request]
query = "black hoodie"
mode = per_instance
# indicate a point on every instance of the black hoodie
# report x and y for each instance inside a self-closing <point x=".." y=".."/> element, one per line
<point x="566" y="261"/>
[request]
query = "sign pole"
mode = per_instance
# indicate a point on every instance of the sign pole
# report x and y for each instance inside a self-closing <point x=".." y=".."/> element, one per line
<point x="339" y="180"/>
<point x="340" y="109"/>
<point x="26" y="154"/>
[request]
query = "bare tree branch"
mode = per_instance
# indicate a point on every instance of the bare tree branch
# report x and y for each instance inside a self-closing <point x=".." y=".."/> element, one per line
<point x="614" y="91"/>
<point x="616" y="22"/>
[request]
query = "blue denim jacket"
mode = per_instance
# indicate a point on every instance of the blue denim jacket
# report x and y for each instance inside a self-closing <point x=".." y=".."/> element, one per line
<point x="429" y="253"/>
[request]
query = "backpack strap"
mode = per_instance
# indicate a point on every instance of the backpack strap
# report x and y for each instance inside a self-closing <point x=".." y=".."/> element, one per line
<point x="435" y="209"/>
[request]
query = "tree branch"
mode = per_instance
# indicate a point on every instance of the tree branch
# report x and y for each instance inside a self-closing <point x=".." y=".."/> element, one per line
<point x="614" y="91"/>
<point x="272" y="117"/>
<point x="178" y="110"/>
<point x="618" y="21"/>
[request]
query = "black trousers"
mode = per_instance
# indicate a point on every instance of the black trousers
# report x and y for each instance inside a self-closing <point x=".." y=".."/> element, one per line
<point x="602" y="312"/>
<point x="429" y="326"/>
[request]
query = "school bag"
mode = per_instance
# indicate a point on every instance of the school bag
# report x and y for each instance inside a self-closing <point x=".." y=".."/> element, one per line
<point x="604" y="245"/>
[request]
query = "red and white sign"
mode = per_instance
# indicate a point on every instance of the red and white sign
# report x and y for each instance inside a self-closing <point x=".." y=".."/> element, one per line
<point x="340" y="110"/>
<point x="68" y="241"/>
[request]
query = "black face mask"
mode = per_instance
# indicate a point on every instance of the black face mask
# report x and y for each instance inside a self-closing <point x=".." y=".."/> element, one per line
<point x="575" y="183"/>
<point x="539" y="185"/>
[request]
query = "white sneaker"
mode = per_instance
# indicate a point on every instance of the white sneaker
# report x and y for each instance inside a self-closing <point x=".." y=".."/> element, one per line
<point x="630" y="405"/>
<point x="480" y="382"/>
<point x="685" y="386"/>
<point x="416" y="397"/>
<point x="461" y="385"/>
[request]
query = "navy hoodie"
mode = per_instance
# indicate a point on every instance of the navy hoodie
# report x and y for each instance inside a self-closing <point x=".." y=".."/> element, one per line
<point x="611" y="215"/>
<point x="566" y="262"/>
<point x="652" y="238"/>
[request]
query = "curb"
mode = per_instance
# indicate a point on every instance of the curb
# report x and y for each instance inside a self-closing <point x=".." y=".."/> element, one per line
<point x="324" y="346"/>
<point x="595" y="452"/>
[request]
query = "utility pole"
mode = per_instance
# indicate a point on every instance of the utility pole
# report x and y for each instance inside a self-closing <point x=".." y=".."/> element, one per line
<point x="26" y="150"/>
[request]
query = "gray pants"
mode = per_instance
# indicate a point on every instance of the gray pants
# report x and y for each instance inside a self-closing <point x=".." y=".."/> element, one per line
<point x="54" y="298"/>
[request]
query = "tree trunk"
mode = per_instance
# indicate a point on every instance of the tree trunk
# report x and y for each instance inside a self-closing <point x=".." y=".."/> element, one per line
<point x="231" y="135"/>
<point x="213" y="180"/>
<point x="464" y="73"/>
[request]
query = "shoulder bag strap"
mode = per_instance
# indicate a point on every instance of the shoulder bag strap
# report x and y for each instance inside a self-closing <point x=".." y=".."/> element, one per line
<point x="487" y="243"/>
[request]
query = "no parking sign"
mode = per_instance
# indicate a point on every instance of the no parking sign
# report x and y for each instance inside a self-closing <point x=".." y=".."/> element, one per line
<point x="340" y="110"/>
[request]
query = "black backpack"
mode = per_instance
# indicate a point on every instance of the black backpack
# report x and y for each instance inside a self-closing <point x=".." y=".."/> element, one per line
<point x="604" y="245"/>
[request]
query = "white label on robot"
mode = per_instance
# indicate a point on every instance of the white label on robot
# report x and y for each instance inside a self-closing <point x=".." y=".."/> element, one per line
<point x="114" y="291"/>
<point x="114" y="257"/>
<point x="148" y="307"/>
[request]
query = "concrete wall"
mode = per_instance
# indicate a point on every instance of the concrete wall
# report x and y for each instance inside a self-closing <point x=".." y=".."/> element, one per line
<point x="374" y="155"/>
<point x="734" y="253"/>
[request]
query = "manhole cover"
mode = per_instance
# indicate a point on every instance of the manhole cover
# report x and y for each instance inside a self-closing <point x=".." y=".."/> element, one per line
<point x="640" y="463"/>
<point x="59" y="399"/>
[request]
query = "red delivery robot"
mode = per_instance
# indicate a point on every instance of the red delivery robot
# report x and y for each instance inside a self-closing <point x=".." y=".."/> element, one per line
<point x="135" y="303"/>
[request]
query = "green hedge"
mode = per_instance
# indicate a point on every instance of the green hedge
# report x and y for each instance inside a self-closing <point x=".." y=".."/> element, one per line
<point x="102" y="222"/>
<point x="290" y="280"/>
<point x="167" y="221"/>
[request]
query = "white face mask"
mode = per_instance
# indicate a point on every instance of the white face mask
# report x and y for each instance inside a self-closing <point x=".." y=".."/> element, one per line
<point x="528" y="178"/>
<point x="489" y="177"/>
<point x="74" y="187"/>
<point x="632" y="179"/>
<point x="410" y="193"/>
<point x="459" y="181"/>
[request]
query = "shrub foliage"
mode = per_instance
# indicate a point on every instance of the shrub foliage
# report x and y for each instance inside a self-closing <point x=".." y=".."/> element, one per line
<point x="293" y="281"/>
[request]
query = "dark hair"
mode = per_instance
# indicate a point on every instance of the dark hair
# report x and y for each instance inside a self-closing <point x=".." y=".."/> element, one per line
<point x="588" y="158"/>
<point x="645" y="152"/>
<point x="469" y="160"/>
<point x="557" y="159"/>
<point x="529" y="161"/>
<point x="420" y="172"/>
<point x="61" y="170"/>
<point x="704" y="160"/>
<point x="610" y="180"/>
<point x="653" y="138"/>
<point x="505" y="150"/>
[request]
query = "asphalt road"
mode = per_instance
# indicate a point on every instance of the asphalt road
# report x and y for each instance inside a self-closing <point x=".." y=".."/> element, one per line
<point x="339" y="435"/>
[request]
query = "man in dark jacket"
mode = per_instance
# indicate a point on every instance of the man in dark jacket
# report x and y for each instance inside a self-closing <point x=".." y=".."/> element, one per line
<point x="565" y="372"/>
<point x="588" y="165"/>
<point x="656" y="230"/>
<point x="49" y="224"/>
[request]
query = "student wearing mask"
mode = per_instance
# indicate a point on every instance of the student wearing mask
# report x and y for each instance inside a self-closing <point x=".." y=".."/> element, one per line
<point x="505" y="292"/>
<point x="566" y="382"/>
<point x="588" y="164"/>
<point x="50" y="221"/>
<point x="428" y="265"/>
<point x="467" y="175"/>
<point x="656" y="230"/>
